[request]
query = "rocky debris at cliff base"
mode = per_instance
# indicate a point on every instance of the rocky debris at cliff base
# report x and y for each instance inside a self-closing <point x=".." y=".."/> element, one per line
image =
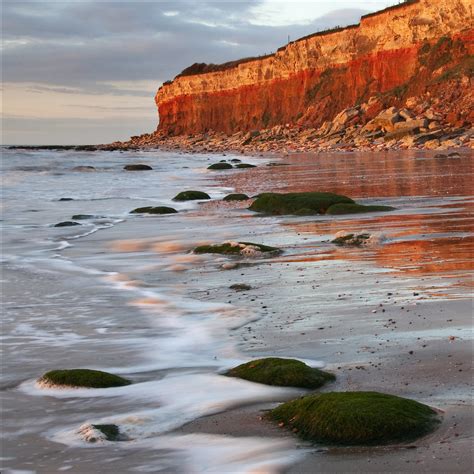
<point x="427" y="122"/>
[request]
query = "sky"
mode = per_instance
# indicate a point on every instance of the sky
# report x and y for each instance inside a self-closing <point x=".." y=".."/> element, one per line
<point x="85" y="72"/>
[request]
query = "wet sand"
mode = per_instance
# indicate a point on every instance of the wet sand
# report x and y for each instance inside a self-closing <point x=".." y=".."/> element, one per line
<point x="395" y="317"/>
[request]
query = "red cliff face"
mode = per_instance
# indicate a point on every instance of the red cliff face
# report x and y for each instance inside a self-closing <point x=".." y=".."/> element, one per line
<point x="395" y="54"/>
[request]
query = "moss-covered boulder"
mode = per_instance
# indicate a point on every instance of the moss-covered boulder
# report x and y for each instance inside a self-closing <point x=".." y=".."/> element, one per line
<point x="81" y="378"/>
<point x="356" y="418"/>
<point x="154" y="210"/>
<point x="295" y="203"/>
<point x="242" y="249"/>
<point x="353" y="208"/>
<point x="220" y="166"/>
<point x="191" y="196"/>
<point x="236" y="197"/>
<point x="245" y="165"/>
<point x="137" y="167"/>
<point x="66" y="224"/>
<point x="281" y="372"/>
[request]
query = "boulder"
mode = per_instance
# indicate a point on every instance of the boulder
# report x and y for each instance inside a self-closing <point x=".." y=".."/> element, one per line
<point x="191" y="196"/>
<point x="137" y="167"/>
<point x="220" y="166"/>
<point x="154" y="210"/>
<point x="66" y="224"/>
<point x="84" y="378"/>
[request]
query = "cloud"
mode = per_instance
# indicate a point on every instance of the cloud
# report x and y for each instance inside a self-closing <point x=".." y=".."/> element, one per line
<point x="116" y="51"/>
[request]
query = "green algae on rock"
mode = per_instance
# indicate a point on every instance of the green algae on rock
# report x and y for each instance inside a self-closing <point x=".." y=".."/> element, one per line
<point x="281" y="372"/>
<point x="154" y="210"/>
<point x="353" y="208"/>
<point x="86" y="378"/>
<point x="137" y="167"/>
<point x="245" y="165"/>
<point x="295" y="203"/>
<point x="356" y="418"/>
<point x="236" y="197"/>
<point x="191" y="196"/>
<point x="220" y="166"/>
<point x="244" y="249"/>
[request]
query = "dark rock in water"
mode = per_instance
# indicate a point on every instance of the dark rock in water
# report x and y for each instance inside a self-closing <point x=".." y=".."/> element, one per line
<point x="82" y="217"/>
<point x="243" y="249"/>
<point x="294" y="203"/>
<point x="137" y="167"/>
<point x="281" y="372"/>
<point x="454" y="154"/>
<point x="236" y="197"/>
<point x="81" y="378"/>
<point x="84" y="168"/>
<point x="66" y="224"/>
<point x="220" y="166"/>
<point x="356" y="418"/>
<point x="191" y="196"/>
<point x="240" y="287"/>
<point x="154" y="210"/>
<point x="440" y="155"/>
<point x="347" y="208"/>
<point x="65" y="199"/>
<point x="245" y="165"/>
<point x="235" y="160"/>
<point x="111" y="432"/>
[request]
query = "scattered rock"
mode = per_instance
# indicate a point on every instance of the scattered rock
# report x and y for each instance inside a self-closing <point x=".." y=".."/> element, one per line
<point x="65" y="199"/>
<point x="99" y="433"/>
<point x="84" y="168"/>
<point x="293" y="203"/>
<point x="66" y="224"/>
<point x="243" y="249"/>
<point x="348" y="239"/>
<point x="353" y="208"/>
<point x="81" y="378"/>
<point x="245" y="165"/>
<point x="191" y="196"/>
<point x="220" y="166"/>
<point x="154" y="210"/>
<point x="240" y="287"/>
<point x="82" y="217"/>
<point x="356" y="418"/>
<point x="281" y="372"/>
<point x="236" y="197"/>
<point x="137" y="167"/>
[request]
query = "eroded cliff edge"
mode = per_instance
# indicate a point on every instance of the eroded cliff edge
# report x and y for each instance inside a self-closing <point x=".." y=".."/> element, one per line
<point x="419" y="47"/>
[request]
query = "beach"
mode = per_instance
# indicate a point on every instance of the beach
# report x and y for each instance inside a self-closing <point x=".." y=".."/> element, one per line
<point x="125" y="293"/>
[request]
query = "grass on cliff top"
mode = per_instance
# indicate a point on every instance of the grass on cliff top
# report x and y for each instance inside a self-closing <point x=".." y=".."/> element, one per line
<point x="236" y="197"/>
<point x="281" y="372"/>
<point x="356" y="418"/>
<point x="294" y="203"/>
<point x="83" y="378"/>
<point x="154" y="210"/>
<point x="228" y="249"/>
<point x="191" y="196"/>
<point x="348" y="208"/>
<point x="220" y="166"/>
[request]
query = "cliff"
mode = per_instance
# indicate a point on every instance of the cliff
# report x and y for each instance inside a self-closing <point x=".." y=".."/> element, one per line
<point x="393" y="54"/>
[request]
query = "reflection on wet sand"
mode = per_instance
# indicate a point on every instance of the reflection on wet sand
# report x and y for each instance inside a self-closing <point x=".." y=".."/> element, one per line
<point x="430" y="234"/>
